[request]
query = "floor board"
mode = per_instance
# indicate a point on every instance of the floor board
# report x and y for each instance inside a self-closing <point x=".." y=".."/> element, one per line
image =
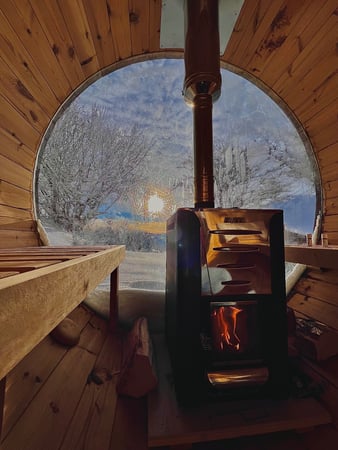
<point x="62" y="398"/>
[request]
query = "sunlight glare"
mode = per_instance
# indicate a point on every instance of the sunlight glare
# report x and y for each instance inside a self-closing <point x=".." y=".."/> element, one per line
<point x="155" y="204"/>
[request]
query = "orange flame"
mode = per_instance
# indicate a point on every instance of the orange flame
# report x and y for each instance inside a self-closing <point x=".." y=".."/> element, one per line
<point x="225" y="321"/>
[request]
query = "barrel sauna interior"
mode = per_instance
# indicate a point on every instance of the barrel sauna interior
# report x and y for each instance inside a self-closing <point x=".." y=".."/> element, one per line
<point x="50" y="51"/>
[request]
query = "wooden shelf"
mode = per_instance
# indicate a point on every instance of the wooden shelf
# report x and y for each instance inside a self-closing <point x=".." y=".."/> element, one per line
<point x="316" y="255"/>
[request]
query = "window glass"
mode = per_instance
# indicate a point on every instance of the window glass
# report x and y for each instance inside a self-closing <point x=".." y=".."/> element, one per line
<point x="119" y="162"/>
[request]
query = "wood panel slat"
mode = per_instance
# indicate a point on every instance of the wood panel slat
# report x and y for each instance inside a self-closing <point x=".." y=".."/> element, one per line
<point x="321" y="119"/>
<point x="15" y="174"/>
<point x="315" y="16"/>
<point x="56" y="31"/>
<point x="55" y="404"/>
<point x="23" y="20"/>
<point x="99" y="24"/>
<point x="139" y="26"/>
<point x="98" y="403"/>
<point x="279" y="39"/>
<point x="328" y="135"/>
<point x="75" y="17"/>
<point x="24" y="225"/>
<point x="9" y="214"/>
<point x="16" y="151"/>
<point x="18" y="94"/>
<point x="120" y="27"/>
<point x="255" y="17"/>
<point x="154" y="24"/>
<point x="330" y="223"/>
<point x="25" y="381"/>
<point x="22" y="64"/>
<point x="324" y="291"/>
<point x="297" y="37"/>
<point x="15" y="196"/>
<point x="316" y="309"/>
<point x="327" y="155"/>
<point x="329" y="276"/>
<point x="14" y="124"/>
<point x="12" y="238"/>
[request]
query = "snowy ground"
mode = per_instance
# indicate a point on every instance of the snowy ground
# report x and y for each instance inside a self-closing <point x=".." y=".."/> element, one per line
<point x="139" y="270"/>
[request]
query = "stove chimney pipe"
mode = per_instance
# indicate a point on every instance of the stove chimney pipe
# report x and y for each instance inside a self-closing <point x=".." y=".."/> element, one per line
<point x="202" y="86"/>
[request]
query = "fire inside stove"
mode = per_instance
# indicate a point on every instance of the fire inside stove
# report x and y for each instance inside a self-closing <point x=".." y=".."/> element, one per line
<point x="233" y="334"/>
<point x="224" y="329"/>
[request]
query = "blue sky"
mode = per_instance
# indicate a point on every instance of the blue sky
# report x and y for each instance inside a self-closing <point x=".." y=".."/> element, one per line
<point x="149" y="94"/>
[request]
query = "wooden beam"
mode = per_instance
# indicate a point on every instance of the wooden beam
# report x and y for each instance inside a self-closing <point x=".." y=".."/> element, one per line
<point x="317" y="256"/>
<point x="33" y="303"/>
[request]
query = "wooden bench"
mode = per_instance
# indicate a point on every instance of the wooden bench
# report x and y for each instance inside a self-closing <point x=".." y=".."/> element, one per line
<point x="40" y="286"/>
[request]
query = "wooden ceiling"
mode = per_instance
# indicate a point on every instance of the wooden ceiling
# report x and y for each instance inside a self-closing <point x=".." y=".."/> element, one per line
<point x="48" y="49"/>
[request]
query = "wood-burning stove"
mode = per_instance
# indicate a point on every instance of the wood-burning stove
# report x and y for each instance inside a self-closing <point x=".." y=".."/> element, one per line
<point x="225" y="303"/>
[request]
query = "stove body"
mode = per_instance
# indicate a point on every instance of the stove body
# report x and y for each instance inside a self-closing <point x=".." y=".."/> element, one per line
<point x="226" y="324"/>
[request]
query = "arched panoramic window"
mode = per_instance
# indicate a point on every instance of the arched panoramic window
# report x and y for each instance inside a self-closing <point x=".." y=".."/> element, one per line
<point x="119" y="162"/>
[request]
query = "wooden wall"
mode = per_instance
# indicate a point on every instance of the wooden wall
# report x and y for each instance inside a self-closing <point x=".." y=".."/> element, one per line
<point x="49" y="49"/>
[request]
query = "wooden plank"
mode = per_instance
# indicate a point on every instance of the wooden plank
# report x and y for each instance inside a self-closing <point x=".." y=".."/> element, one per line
<point x="23" y="266"/>
<point x="254" y="18"/>
<point x="55" y="28"/>
<point x="310" y="14"/>
<point x="17" y="152"/>
<point x="22" y="64"/>
<point x="28" y="377"/>
<point x="324" y="113"/>
<point x="52" y="408"/>
<point x="139" y="26"/>
<point x="278" y="41"/>
<point x="19" y="95"/>
<point x="75" y="17"/>
<point x="15" y="174"/>
<point x="15" y="196"/>
<point x="11" y="238"/>
<point x="330" y="223"/>
<point x="326" y="137"/>
<point x="119" y="23"/>
<point x="24" y="225"/>
<point x="9" y="214"/>
<point x="23" y="20"/>
<point x="8" y="274"/>
<point x="99" y="24"/>
<point x="154" y="25"/>
<point x="92" y="424"/>
<point x="316" y="255"/>
<point x="326" y="275"/>
<point x="326" y="292"/>
<point x="314" y="20"/>
<point x="35" y="302"/>
<point x="170" y="425"/>
<point x="14" y="124"/>
<point x="315" y="309"/>
<point x="51" y="250"/>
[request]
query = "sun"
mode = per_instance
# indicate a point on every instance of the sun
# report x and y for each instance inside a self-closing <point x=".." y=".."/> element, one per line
<point x="155" y="204"/>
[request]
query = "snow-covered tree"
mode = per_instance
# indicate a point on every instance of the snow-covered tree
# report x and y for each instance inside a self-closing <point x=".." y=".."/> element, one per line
<point x="87" y="165"/>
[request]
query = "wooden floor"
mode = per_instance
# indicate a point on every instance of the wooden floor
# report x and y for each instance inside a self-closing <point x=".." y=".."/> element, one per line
<point x="65" y="399"/>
